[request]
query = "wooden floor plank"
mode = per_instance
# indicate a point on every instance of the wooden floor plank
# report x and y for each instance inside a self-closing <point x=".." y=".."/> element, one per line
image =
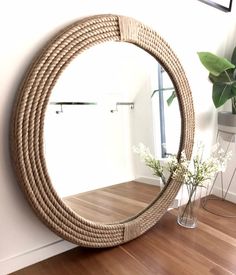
<point x="113" y="203"/>
<point x="224" y="224"/>
<point x="88" y="262"/>
<point x="167" y="248"/>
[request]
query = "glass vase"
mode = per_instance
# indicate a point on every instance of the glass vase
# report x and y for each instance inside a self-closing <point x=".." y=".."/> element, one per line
<point x="189" y="205"/>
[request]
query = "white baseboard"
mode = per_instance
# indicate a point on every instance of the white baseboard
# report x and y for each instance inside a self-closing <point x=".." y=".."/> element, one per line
<point x="33" y="256"/>
<point x="230" y="196"/>
<point x="147" y="180"/>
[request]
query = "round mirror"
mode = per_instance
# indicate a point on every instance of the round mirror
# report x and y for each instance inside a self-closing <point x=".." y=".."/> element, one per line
<point x="96" y="114"/>
<point x="115" y="104"/>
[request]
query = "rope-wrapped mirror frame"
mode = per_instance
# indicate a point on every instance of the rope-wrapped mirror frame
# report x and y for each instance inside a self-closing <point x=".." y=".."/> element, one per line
<point x="28" y="124"/>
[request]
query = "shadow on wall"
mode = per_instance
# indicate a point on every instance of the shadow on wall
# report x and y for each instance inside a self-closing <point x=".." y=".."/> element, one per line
<point x="205" y="120"/>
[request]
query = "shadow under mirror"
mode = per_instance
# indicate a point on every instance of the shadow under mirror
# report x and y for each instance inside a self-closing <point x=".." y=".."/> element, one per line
<point x="108" y="100"/>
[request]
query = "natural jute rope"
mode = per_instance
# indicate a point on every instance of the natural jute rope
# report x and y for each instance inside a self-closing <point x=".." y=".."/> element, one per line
<point x="28" y="125"/>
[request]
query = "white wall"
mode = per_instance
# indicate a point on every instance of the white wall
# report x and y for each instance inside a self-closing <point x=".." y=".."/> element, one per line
<point x="227" y="179"/>
<point x="91" y="146"/>
<point x="188" y="25"/>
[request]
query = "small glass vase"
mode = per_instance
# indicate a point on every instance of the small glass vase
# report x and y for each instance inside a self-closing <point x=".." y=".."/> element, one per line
<point x="189" y="205"/>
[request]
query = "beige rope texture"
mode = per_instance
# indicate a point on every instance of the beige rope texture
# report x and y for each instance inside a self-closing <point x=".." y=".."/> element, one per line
<point x="28" y="125"/>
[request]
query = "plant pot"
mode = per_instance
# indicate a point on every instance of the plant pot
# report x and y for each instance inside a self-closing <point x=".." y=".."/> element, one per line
<point x="227" y="122"/>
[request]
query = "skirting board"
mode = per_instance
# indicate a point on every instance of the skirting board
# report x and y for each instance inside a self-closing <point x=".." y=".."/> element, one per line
<point x="230" y="196"/>
<point x="147" y="180"/>
<point x="33" y="256"/>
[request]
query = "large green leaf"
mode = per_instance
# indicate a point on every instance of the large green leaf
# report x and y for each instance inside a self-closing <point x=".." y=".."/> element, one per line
<point x="215" y="64"/>
<point x="221" y="92"/>
<point x="225" y="77"/>
<point x="233" y="58"/>
<point x="234" y="88"/>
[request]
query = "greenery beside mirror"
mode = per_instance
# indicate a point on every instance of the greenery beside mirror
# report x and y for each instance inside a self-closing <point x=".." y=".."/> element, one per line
<point x="27" y="139"/>
<point x="170" y="98"/>
<point x="222" y="74"/>
<point x="160" y="168"/>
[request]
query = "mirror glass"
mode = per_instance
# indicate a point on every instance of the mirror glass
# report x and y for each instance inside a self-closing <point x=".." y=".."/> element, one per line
<point x="108" y="100"/>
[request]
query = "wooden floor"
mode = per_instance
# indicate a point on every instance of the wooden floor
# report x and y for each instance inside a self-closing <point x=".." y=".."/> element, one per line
<point x="167" y="248"/>
<point x="113" y="203"/>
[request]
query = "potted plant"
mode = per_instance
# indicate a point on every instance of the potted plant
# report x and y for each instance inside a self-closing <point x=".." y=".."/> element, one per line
<point x="222" y="74"/>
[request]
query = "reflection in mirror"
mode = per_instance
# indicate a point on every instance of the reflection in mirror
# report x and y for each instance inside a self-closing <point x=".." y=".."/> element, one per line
<point x="166" y="116"/>
<point x="103" y="104"/>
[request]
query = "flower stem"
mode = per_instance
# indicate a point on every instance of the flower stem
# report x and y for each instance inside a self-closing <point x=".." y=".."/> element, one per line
<point x="188" y="209"/>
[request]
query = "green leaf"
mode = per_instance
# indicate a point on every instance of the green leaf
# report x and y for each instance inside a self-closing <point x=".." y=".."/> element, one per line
<point x="214" y="64"/>
<point x="225" y="77"/>
<point x="221" y="92"/>
<point x="234" y="88"/>
<point x="163" y="89"/>
<point x="171" y="98"/>
<point x="233" y="58"/>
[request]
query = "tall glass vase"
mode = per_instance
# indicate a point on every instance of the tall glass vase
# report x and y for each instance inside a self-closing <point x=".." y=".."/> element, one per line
<point x="189" y="205"/>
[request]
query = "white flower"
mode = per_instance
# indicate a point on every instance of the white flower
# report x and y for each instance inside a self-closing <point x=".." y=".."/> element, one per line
<point x="143" y="151"/>
<point x="194" y="172"/>
<point x="221" y="157"/>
